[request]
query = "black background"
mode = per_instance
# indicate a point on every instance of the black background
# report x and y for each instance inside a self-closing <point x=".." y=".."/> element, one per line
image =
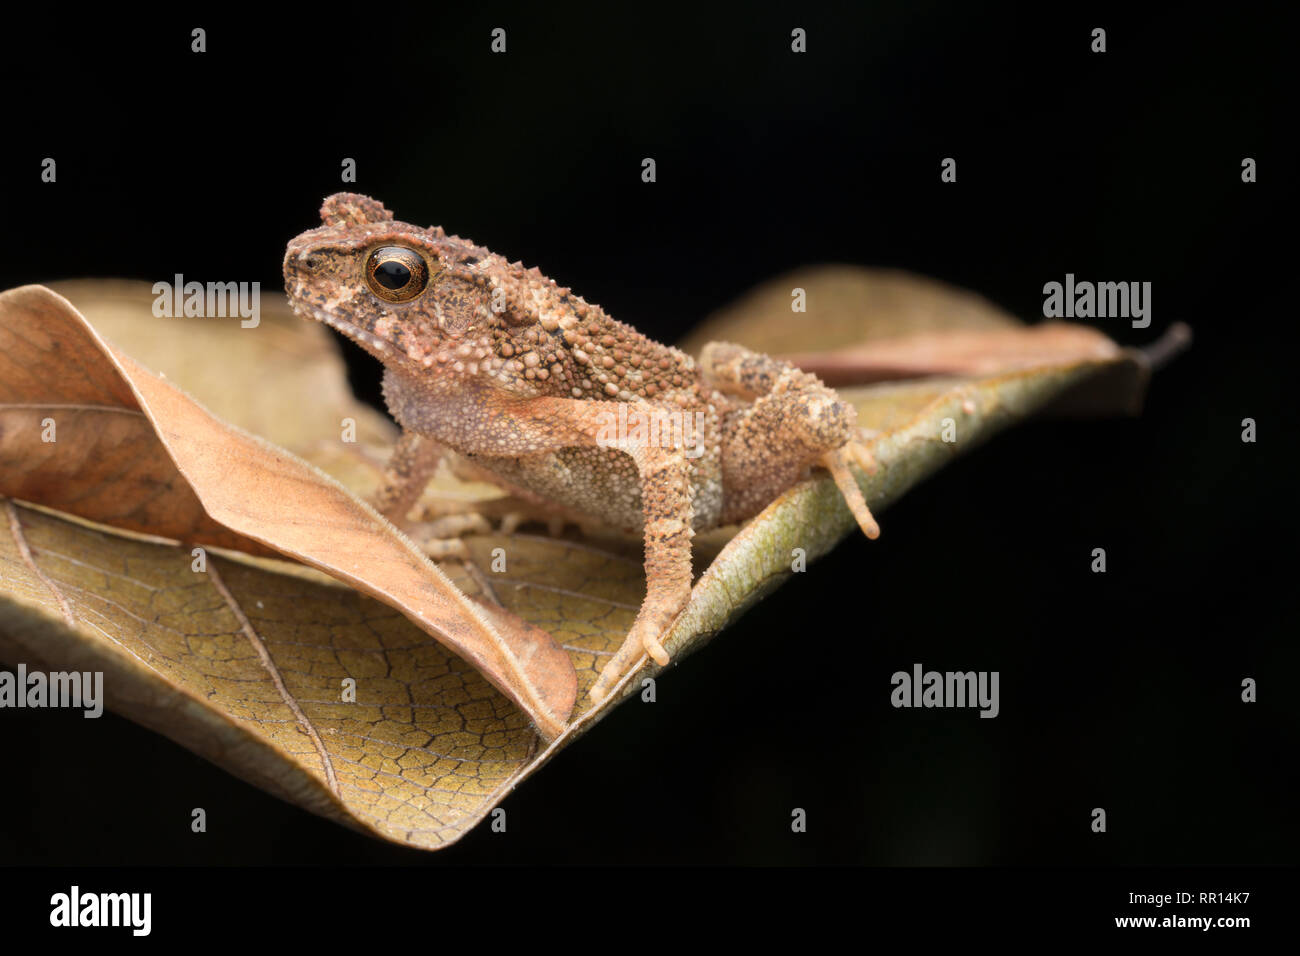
<point x="1118" y="690"/>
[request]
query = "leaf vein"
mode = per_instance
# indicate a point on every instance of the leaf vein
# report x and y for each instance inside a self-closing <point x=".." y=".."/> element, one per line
<point x="20" y="540"/>
<point x="258" y="645"/>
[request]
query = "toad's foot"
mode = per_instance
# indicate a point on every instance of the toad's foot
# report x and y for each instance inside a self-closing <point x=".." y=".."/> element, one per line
<point x="511" y="521"/>
<point x="652" y="623"/>
<point x="442" y="538"/>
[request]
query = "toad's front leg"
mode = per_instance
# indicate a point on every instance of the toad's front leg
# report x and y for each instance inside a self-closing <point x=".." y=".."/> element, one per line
<point x="506" y="426"/>
<point x="665" y="477"/>
<point x="666" y="502"/>
<point x="409" y="468"/>
<point x="411" y="465"/>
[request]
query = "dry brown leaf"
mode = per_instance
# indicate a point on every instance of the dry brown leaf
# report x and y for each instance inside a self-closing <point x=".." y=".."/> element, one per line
<point x="137" y="453"/>
<point x="869" y="325"/>
<point x="957" y="352"/>
<point x="846" y="305"/>
<point x="411" y="764"/>
<point x="302" y="403"/>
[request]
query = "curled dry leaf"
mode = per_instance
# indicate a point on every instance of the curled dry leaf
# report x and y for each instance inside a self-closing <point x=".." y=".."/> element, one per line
<point x="133" y="451"/>
<point x="430" y="747"/>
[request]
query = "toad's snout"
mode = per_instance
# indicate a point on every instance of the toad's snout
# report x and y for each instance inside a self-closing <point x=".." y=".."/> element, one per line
<point x="301" y="261"/>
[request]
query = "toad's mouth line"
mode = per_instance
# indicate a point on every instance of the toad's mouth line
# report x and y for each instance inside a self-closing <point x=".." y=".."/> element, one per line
<point x="354" y="332"/>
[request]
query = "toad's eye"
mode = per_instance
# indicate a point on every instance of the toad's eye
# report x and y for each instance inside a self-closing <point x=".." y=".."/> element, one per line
<point x="396" y="274"/>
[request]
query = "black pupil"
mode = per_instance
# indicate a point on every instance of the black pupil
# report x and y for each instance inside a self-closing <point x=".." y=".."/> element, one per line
<point x="392" y="274"/>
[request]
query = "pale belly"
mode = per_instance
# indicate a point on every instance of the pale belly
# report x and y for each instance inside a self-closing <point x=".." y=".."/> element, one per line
<point x="603" y="483"/>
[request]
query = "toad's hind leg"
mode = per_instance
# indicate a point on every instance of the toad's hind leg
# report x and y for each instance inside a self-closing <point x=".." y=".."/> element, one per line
<point x="792" y="421"/>
<point x="836" y="462"/>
